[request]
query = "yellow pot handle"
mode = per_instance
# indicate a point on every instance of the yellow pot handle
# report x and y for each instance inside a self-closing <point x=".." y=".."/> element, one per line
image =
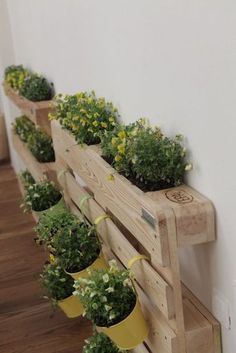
<point x="82" y="201"/>
<point x="101" y="218"/>
<point x="135" y="259"/>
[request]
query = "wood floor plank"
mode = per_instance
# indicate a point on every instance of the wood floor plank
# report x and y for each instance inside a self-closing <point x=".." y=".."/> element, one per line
<point x="27" y="323"/>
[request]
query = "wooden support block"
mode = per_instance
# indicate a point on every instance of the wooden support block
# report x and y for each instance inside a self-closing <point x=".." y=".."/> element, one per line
<point x="38" y="170"/>
<point x="37" y="112"/>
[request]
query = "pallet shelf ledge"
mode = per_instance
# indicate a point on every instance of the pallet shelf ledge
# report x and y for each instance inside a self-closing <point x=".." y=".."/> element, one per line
<point x="37" y="112"/>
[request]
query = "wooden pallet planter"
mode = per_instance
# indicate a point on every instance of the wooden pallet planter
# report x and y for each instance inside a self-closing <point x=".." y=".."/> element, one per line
<point x="38" y="170"/>
<point x="37" y="112"/>
<point x="159" y="222"/>
<point x="159" y="299"/>
<point x="145" y="214"/>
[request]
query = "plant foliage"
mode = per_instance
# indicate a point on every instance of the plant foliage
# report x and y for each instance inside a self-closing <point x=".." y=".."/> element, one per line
<point x="41" y="196"/>
<point x="76" y="247"/>
<point x="29" y="84"/>
<point x="26" y="178"/>
<point x="100" y="343"/>
<point x="23" y="127"/>
<point x="108" y="296"/>
<point x="85" y="115"/>
<point x="58" y="284"/>
<point x="144" y="155"/>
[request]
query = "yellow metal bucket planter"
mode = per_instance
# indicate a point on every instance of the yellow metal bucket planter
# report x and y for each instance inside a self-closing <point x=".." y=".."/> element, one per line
<point x="57" y="208"/>
<point x="71" y="306"/>
<point x="130" y="332"/>
<point x="99" y="263"/>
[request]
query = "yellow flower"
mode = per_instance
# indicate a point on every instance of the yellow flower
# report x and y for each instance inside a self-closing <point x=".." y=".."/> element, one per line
<point x="121" y="149"/>
<point x="95" y="123"/>
<point x="122" y="134"/>
<point x="114" y="141"/>
<point x="104" y="124"/>
<point x="111" y="119"/>
<point x="110" y="177"/>
<point x="117" y="158"/>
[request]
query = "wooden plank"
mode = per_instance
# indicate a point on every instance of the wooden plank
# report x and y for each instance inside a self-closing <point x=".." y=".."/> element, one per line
<point x="215" y="325"/>
<point x="159" y="292"/>
<point x="4" y="150"/>
<point x="38" y="170"/>
<point x="37" y="112"/>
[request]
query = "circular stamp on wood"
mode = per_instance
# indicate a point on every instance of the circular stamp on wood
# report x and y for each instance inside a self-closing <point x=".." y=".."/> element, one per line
<point x="179" y="196"/>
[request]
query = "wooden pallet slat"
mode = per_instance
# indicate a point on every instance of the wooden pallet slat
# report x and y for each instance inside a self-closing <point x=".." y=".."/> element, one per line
<point x="37" y="112"/>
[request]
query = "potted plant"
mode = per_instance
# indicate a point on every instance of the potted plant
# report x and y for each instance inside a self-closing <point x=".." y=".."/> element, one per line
<point x="28" y="84"/>
<point x="43" y="198"/>
<point x="78" y="249"/>
<point x="111" y="303"/>
<point x="84" y="115"/>
<point x="100" y="343"/>
<point x="59" y="288"/>
<point x="145" y="156"/>
<point x="50" y="224"/>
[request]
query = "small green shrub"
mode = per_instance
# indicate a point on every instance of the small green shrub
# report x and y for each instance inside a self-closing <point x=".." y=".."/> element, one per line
<point x="85" y="115"/>
<point x="144" y="155"/>
<point x="76" y="247"/>
<point x="23" y="127"/>
<point x="56" y="282"/>
<point x="38" y="142"/>
<point x="41" y="146"/>
<point x="26" y="178"/>
<point x="100" y="343"/>
<point x="41" y="196"/>
<point x="36" y="88"/>
<point x="29" y="84"/>
<point x="49" y="225"/>
<point x="107" y="295"/>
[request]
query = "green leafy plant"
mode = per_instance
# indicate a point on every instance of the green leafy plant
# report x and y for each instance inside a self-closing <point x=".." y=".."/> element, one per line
<point x="36" y="88"/>
<point x="108" y="296"/>
<point x="76" y="247"/>
<point x="15" y="75"/>
<point x="57" y="283"/>
<point x="26" y="178"/>
<point x="23" y="127"/>
<point x="38" y="142"/>
<point x="100" y="343"/>
<point x="144" y="155"/>
<point x="41" y="146"/>
<point x="49" y="225"/>
<point x="85" y="115"/>
<point x="29" y="84"/>
<point x="41" y="196"/>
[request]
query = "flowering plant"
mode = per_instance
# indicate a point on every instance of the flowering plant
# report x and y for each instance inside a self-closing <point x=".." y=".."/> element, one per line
<point x="100" y="343"/>
<point x="15" y="76"/>
<point x="23" y="127"/>
<point x="85" y="115"/>
<point x="108" y="296"/>
<point x="38" y="142"/>
<point x="26" y="178"/>
<point x="76" y="247"/>
<point x="41" y="146"/>
<point x="144" y="155"/>
<point x="50" y="224"/>
<point x="58" y="284"/>
<point x="41" y="196"/>
<point x="29" y="84"/>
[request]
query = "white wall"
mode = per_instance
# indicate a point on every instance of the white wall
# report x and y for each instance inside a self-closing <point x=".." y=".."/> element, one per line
<point x="173" y="61"/>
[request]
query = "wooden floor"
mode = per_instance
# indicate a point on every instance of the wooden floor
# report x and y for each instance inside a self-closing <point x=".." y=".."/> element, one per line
<point x="27" y="323"/>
